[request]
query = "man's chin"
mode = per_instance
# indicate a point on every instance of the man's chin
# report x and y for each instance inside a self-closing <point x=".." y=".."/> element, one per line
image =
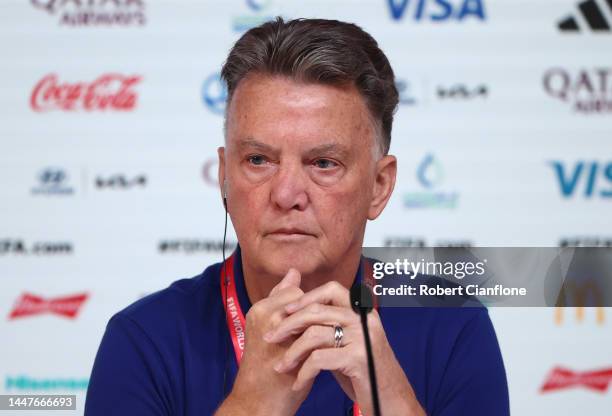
<point x="301" y="253"/>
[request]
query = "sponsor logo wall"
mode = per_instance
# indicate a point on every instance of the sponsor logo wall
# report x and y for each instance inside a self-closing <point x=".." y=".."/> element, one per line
<point x="113" y="111"/>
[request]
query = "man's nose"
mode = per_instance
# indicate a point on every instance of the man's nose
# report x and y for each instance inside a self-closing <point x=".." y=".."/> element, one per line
<point x="289" y="186"/>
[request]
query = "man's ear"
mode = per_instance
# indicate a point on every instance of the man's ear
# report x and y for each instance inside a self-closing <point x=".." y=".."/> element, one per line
<point x="386" y="171"/>
<point x="221" y="171"/>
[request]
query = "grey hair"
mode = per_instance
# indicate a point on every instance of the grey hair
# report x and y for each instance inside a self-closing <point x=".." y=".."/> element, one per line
<point x="321" y="51"/>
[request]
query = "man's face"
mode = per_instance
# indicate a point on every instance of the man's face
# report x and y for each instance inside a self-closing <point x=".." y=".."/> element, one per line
<point x="301" y="172"/>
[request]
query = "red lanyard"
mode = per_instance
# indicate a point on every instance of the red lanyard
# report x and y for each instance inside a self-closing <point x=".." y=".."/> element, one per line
<point x="233" y="311"/>
<point x="235" y="317"/>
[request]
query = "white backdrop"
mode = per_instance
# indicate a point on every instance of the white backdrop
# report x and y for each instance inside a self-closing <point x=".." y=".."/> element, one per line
<point x="504" y="138"/>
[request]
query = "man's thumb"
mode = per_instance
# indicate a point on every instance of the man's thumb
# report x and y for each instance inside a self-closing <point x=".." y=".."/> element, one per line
<point x="292" y="278"/>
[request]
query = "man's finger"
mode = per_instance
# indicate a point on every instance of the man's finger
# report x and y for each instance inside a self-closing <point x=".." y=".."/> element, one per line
<point x="292" y="278"/>
<point x="323" y="359"/>
<point x="331" y="293"/>
<point x="315" y="314"/>
<point x="315" y="337"/>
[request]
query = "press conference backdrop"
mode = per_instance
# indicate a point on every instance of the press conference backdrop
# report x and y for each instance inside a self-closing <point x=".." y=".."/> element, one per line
<point x="112" y="114"/>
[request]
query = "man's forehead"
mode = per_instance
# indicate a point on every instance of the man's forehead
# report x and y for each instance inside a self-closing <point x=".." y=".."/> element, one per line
<point x="256" y="92"/>
<point x="275" y="110"/>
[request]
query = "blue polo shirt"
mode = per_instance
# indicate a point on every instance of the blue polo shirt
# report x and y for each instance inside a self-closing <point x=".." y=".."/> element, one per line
<point x="168" y="353"/>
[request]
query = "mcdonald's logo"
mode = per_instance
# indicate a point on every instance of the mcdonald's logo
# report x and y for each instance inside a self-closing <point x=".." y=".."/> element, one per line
<point x="600" y="315"/>
<point x="578" y="294"/>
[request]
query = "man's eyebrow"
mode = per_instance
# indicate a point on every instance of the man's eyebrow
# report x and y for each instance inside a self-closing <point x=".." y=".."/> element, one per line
<point x="330" y="148"/>
<point x="250" y="142"/>
<point x="334" y="148"/>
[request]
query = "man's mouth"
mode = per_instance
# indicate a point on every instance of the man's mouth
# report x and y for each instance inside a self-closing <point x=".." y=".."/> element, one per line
<point x="289" y="231"/>
<point x="289" y="234"/>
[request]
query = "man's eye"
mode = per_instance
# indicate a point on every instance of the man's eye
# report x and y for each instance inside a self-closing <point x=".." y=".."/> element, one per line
<point x="325" y="164"/>
<point x="256" y="160"/>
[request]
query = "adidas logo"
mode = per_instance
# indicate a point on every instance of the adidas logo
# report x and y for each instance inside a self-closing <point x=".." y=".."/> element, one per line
<point x="592" y="14"/>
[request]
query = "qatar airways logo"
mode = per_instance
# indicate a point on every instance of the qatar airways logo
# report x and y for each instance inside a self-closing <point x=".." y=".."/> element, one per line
<point x="562" y="378"/>
<point x="83" y="13"/>
<point x="587" y="91"/>
<point x="65" y="306"/>
<point x="109" y="92"/>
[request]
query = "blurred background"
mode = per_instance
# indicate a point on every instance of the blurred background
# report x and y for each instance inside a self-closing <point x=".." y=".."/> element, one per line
<point x="112" y="111"/>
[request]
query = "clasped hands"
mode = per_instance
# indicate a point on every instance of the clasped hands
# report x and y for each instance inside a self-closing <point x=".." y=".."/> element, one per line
<point x="290" y="338"/>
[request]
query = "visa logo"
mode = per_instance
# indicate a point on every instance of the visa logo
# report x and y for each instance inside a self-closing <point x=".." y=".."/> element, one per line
<point x="437" y="10"/>
<point x="590" y="178"/>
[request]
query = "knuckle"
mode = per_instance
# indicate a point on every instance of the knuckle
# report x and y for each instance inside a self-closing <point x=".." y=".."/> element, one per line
<point x="296" y="291"/>
<point x="316" y="357"/>
<point x="275" y="319"/>
<point x="315" y="308"/>
<point x="334" y="286"/>
<point x="257" y="311"/>
<point x="248" y="319"/>
<point x="292" y="292"/>
<point x="258" y="307"/>
<point x="312" y="333"/>
<point x="335" y="289"/>
<point x="251" y="315"/>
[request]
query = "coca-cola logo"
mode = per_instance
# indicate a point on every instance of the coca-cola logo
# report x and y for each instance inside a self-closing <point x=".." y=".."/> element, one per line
<point x="108" y="92"/>
<point x="65" y="306"/>
<point x="589" y="90"/>
<point x="95" y="12"/>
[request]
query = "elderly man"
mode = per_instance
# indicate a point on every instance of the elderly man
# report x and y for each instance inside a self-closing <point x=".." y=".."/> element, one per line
<point x="271" y="332"/>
